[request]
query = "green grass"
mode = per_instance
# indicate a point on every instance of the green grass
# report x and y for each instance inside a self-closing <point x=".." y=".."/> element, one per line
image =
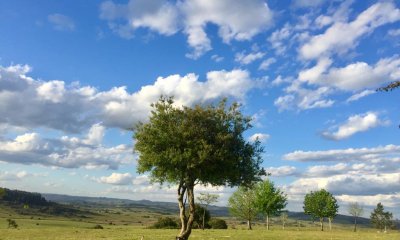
<point x="80" y="230"/>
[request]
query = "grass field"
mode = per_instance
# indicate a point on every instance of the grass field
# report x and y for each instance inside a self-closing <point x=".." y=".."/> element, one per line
<point x="81" y="230"/>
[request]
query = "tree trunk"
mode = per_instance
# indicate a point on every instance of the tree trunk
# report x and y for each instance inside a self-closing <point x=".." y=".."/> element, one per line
<point x="187" y="222"/>
<point x="204" y="216"/>
<point x="355" y="224"/>
<point x="330" y="223"/>
<point x="248" y="225"/>
<point x="321" y="220"/>
<point x="267" y="221"/>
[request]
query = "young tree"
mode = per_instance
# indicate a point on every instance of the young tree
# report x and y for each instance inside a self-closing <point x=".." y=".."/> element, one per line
<point x="201" y="216"/>
<point x="202" y="145"/>
<point x="270" y="200"/>
<point x="320" y="204"/>
<point x="242" y="204"/>
<point x="206" y="199"/>
<point x="381" y="219"/>
<point x="356" y="210"/>
<point x="284" y="218"/>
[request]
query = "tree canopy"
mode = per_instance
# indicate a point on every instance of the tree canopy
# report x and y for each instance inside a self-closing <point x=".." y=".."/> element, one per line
<point x="381" y="219"/>
<point x="242" y="204"/>
<point x="356" y="210"/>
<point x="320" y="204"/>
<point x="203" y="145"/>
<point x="270" y="200"/>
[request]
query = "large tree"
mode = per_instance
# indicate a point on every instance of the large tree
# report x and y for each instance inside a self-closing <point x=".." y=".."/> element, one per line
<point x="381" y="219"/>
<point x="320" y="204"/>
<point x="206" y="199"/>
<point x="269" y="199"/>
<point x="202" y="145"/>
<point x="356" y="210"/>
<point x="242" y="204"/>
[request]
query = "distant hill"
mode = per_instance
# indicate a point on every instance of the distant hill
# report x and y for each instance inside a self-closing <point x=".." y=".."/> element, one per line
<point x="172" y="208"/>
<point x="29" y="203"/>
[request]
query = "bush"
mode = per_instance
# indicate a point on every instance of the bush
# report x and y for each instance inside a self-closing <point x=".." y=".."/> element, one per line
<point x="166" y="223"/>
<point x="12" y="223"/>
<point x="217" y="223"/>
<point x="98" y="226"/>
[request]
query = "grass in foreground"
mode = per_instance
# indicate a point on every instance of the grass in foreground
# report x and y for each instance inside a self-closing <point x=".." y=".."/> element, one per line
<point x="69" y="230"/>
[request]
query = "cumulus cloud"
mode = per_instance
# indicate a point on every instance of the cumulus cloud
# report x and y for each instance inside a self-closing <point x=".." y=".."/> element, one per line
<point x="355" y="124"/>
<point x="266" y="63"/>
<point x="308" y="3"/>
<point x="278" y="37"/>
<point x="117" y="179"/>
<point x="30" y="103"/>
<point x="262" y="137"/>
<point x="159" y="16"/>
<point x="245" y="59"/>
<point x="282" y="171"/>
<point x="61" y="22"/>
<point x="65" y="152"/>
<point x="360" y="95"/>
<point x="328" y="43"/>
<point x="13" y="176"/>
<point x="345" y="155"/>
<point x="236" y="20"/>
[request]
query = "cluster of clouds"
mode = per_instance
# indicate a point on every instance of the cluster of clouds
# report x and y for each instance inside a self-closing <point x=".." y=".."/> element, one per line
<point x="28" y="105"/>
<point x="236" y="20"/>
<point x="314" y="86"/>
<point x="367" y="175"/>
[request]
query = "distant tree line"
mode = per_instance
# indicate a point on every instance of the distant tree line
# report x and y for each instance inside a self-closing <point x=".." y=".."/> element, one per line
<point x="22" y="197"/>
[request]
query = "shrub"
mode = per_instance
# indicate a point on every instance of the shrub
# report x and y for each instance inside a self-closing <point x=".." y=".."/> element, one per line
<point x="217" y="223"/>
<point x="166" y="223"/>
<point x="98" y="226"/>
<point x="12" y="223"/>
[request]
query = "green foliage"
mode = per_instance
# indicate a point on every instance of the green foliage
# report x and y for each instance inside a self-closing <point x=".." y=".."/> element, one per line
<point x="207" y="198"/>
<point x="390" y="86"/>
<point x="270" y="200"/>
<point x="217" y="223"/>
<point x="320" y="204"/>
<point x="381" y="219"/>
<point x="2" y="193"/>
<point x="203" y="145"/>
<point x="242" y="204"/>
<point x="201" y="212"/>
<point x="12" y="223"/>
<point x="165" y="223"/>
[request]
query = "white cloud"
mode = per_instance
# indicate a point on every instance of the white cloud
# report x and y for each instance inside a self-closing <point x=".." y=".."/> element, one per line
<point x="394" y="32"/>
<point x="117" y="179"/>
<point x="65" y="152"/>
<point x="245" y="59"/>
<point x="328" y="43"/>
<point x="282" y="171"/>
<point x="308" y="3"/>
<point x="278" y="37"/>
<point x="262" y="137"/>
<point x="61" y="22"/>
<point x="345" y="155"/>
<point x="360" y="95"/>
<point x="159" y="16"/>
<point x="217" y="58"/>
<point x="266" y="63"/>
<point x="13" y="176"/>
<point x="74" y="108"/>
<point x="355" y="124"/>
<point x="236" y="20"/>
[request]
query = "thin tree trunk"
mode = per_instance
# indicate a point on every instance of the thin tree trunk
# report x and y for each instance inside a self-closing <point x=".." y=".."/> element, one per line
<point x="181" y="204"/>
<point x="321" y="220"/>
<point x="185" y="232"/>
<point x="248" y="225"/>
<point x="355" y="224"/>
<point x="204" y="216"/>
<point x="267" y="221"/>
<point x="330" y="223"/>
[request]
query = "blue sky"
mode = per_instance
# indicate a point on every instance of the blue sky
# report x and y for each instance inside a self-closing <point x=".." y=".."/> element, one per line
<point x="75" y="75"/>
